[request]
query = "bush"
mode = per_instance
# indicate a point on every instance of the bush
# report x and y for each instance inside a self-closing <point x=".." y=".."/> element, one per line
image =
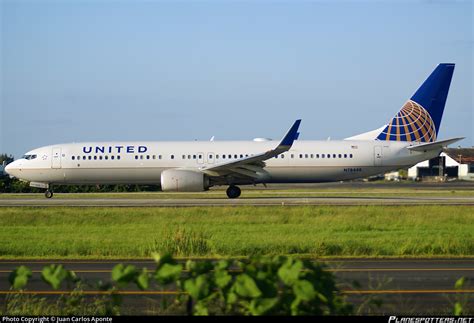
<point x="259" y="286"/>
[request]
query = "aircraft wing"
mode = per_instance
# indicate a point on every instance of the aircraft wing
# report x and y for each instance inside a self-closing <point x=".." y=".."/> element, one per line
<point x="434" y="145"/>
<point x="253" y="165"/>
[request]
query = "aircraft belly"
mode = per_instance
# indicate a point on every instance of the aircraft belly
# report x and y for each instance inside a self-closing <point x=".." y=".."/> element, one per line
<point x="46" y="175"/>
<point x="322" y="174"/>
<point x="113" y="176"/>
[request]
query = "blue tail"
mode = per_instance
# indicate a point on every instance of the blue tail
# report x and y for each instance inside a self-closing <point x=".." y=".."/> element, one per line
<point x="420" y="117"/>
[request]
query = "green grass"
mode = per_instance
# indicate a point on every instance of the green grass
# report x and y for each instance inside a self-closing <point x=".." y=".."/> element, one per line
<point x="328" y="231"/>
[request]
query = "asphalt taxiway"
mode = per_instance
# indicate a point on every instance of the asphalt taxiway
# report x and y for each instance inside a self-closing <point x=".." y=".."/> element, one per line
<point x="411" y="286"/>
<point x="253" y="201"/>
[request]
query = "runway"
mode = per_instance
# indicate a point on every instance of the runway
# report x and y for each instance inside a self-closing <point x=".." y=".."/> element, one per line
<point x="253" y="201"/>
<point x="405" y="286"/>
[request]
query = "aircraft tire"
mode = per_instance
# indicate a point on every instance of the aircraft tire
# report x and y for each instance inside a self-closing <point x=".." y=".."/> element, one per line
<point x="48" y="194"/>
<point x="233" y="192"/>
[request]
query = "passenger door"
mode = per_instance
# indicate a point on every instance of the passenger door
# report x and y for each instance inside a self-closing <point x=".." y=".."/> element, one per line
<point x="378" y="156"/>
<point x="56" y="158"/>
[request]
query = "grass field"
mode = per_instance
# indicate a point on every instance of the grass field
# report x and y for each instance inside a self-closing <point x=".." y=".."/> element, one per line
<point x="328" y="231"/>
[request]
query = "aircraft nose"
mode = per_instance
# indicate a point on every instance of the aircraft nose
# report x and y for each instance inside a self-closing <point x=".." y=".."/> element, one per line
<point x="11" y="169"/>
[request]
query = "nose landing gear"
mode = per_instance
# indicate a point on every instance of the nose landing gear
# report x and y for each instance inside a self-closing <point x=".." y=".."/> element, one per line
<point x="233" y="192"/>
<point x="48" y="194"/>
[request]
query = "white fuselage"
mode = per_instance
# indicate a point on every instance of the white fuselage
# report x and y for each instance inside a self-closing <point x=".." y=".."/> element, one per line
<point x="143" y="162"/>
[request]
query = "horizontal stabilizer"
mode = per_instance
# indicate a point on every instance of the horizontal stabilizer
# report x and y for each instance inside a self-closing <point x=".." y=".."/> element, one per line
<point x="434" y="145"/>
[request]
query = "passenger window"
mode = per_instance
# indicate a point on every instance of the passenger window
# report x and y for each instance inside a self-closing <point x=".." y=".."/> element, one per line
<point x="345" y="155"/>
<point x="235" y="156"/>
<point x="194" y="156"/>
<point x="159" y="156"/>
<point x="322" y="155"/>
<point x="73" y="157"/>
<point x="141" y="156"/>
<point x="83" y="157"/>
<point x="100" y="157"/>
<point x="317" y="155"/>
<point x="350" y="155"/>
<point x="136" y="156"/>
<point x="154" y="156"/>
<point x="329" y="155"/>
<point x="172" y="156"/>
<point x="200" y="156"/>
<point x="282" y="156"/>
<point x="112" y="157"/>
<point x="223" y="156"/>
<point x="292" y="156"/>
<point x="301" y="155"/>
<point x="230" y="156"/>
<point x="106" y="157"/>
<point x="246" y="155"/>
<point x="183" y="157"/>
<point x="306" y="156"/>
<point x="147" y="156"/>
<point x="118" y="157"/>
<point x="217" y="156"/>
<point x="241" y="156"/>
<point x="340" y="156"/>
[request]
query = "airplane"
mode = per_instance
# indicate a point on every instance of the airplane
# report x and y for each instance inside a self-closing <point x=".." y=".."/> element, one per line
<point x="193" y="166"/>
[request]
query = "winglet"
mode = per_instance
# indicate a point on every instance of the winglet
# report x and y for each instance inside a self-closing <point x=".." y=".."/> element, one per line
<point x="291" y="135"/>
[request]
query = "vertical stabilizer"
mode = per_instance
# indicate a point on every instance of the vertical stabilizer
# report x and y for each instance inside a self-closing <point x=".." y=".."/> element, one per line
<point x="420" y="117"/>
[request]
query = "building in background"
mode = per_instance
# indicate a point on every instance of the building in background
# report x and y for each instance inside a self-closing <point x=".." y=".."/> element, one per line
<point x="453" y="163"/>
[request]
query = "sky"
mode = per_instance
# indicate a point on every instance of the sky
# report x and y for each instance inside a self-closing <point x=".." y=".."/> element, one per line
<point x="73" y="71"/>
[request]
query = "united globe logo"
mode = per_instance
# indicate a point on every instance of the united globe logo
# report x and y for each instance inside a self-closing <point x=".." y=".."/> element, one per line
<point x="412" y="123"/>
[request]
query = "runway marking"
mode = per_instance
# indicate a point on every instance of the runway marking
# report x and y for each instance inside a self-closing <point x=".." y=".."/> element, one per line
<point x="90" y="292"/>
<point x="91" y="271"/>
<point x="427" y="291"/>
<point x="399" y="269"/>
<point x="164" y="293"/>
<point x="148" y="261"/>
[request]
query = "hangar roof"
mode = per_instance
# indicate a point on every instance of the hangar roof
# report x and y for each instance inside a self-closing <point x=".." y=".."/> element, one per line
<point x="461" y="155"/>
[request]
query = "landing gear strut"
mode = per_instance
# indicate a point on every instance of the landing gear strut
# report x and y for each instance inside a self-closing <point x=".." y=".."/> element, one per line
<point x="48" y="194"/>
<point x="233" y="192"/>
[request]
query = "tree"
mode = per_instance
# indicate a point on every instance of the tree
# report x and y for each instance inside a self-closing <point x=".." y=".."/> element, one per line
<point x="6" y="158"/>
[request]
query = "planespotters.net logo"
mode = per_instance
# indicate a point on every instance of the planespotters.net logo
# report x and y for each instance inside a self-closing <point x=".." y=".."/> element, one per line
<point x="405" y="319"/>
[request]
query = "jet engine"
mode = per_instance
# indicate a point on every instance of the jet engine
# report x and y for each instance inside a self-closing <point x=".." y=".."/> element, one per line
<point x="179" y="180"/>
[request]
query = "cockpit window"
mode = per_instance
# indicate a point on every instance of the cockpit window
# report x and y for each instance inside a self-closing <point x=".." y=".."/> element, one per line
<point x="29" y="157"/>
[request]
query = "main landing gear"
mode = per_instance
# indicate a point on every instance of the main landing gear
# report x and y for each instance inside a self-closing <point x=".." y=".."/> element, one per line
<point x="48" y="194"/>
<point x="233" y="192"/>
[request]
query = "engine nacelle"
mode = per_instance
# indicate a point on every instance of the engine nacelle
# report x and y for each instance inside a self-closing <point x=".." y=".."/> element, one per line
<point x="178" y="180"/>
